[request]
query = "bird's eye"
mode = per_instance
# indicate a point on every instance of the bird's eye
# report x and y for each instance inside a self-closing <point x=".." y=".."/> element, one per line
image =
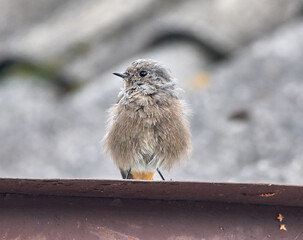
<point x="143" y="73"/>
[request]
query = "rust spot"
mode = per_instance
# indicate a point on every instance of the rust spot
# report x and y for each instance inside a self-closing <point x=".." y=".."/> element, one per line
<point x="282" y="227"/>
<point x="280" y="217"/>
<point x="267" y="194"/>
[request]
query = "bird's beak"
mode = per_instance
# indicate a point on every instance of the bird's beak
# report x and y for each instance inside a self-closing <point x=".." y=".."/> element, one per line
<point x="122" y="75"/>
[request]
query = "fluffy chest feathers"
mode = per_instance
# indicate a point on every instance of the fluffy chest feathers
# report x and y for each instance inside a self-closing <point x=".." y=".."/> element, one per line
<point x="147" y="109"/>
<point x="147" y="128"/>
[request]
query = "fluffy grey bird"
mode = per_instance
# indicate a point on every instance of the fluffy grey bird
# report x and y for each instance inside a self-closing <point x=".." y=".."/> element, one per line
<point x="147" y="127"/>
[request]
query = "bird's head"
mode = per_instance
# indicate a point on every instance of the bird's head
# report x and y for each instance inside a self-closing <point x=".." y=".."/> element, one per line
<point x="144" y="73"/>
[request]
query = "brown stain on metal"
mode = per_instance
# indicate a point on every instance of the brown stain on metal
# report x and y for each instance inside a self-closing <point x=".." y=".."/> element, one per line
<point x="135" y="210"/>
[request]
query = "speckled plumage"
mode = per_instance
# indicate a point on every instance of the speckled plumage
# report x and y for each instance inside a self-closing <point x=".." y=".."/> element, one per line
<point x="147" y="127"/>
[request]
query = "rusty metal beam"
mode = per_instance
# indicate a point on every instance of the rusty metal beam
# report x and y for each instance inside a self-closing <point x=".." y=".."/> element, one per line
<point x="107" y="209"/>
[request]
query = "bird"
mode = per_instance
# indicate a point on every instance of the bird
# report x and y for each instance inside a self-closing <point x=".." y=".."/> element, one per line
<point x="148" y="127"/>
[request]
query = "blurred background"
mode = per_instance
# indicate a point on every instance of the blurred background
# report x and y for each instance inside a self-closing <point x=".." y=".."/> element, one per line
<point x="239" y="62"/>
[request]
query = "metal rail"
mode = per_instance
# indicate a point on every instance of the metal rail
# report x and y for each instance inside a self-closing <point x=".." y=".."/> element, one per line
<point x="107" y="209"/>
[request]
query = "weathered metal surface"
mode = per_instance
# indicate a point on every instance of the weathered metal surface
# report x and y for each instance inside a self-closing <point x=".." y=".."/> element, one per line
<point x="161" y="190"/>
<point x="104" y="209"/>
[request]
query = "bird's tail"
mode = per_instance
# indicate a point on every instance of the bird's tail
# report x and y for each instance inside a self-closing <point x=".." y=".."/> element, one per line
<point x="137" y="175"/>
<point x="142" y="175"/>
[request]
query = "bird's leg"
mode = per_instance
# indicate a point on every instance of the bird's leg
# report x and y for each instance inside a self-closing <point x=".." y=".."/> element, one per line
<point x="128" y="174"/>
<point x="160" y="174"/>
